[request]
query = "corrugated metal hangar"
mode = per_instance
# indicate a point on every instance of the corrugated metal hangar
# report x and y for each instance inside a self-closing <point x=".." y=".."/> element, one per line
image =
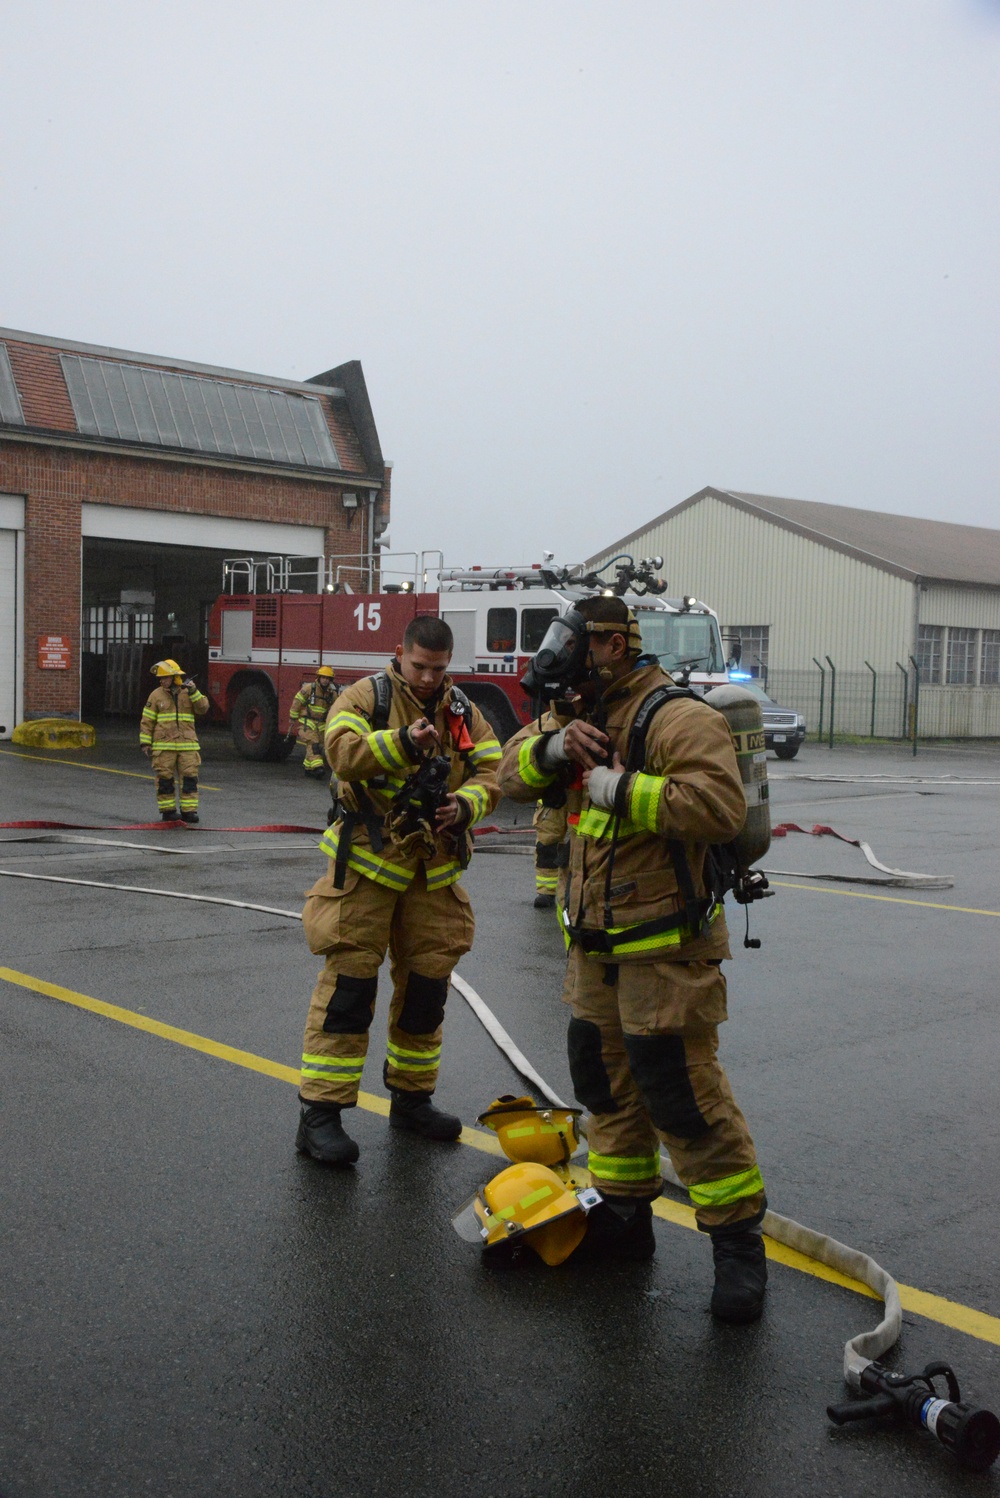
<point x="125" y="479"/>
<point x="885" y="612"/>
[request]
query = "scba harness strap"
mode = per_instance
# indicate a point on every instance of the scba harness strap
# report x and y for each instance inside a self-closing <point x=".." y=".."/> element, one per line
<point x="696" y="911"/>
<point x="459" y="712"/>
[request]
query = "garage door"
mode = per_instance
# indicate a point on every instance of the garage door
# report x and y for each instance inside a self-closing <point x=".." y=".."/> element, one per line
<point x="237" y="537"/>
<point x="8" y="632"/>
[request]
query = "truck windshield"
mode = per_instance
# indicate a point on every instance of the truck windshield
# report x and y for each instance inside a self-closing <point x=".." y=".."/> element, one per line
<point x="691" y="640"/>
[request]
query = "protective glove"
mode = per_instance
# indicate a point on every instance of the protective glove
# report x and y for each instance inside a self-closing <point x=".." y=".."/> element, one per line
<point x="601" y="787"/>
<point x="553" y="751"/>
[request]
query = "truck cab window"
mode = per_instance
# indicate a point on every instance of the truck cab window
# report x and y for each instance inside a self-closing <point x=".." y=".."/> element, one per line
<point x="501" y="630"/>
<point x="534" y="623"/>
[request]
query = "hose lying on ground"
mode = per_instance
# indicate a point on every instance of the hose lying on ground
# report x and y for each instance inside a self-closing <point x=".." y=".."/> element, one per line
<point x="897" y="878"/>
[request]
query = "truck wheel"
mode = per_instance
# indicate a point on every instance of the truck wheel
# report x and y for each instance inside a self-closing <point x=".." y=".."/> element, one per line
<point x="254" y="723"/>
<point x="498" y="713"/>
<point x="786" y="751"/>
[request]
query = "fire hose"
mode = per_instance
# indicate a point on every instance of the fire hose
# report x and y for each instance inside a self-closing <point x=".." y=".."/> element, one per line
<point x="970" y="1433"/>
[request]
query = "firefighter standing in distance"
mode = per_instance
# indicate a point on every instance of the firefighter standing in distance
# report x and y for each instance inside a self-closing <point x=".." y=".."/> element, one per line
<point x="167" y="735"/>
<point x="310" y="706"/>
<point x="645" y="989"/>
<point x="393" y="883"/>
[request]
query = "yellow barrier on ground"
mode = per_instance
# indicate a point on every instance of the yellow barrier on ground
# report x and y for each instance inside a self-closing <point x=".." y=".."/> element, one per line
<point x="54" y="733"/>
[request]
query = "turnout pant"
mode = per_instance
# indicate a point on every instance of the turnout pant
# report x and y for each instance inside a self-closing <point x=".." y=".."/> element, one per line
<point x="170" y="765"/>
<point x="313" y="742"/>
<point x="643" y="1042"/>
<point x="426" y="932"/>
<point x="551" y="848"/>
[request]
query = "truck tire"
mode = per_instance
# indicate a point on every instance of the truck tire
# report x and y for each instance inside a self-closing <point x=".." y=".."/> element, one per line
<point x="786" y="751"/>
<point x="497" y="711"/>
<point x="254" y="723"/>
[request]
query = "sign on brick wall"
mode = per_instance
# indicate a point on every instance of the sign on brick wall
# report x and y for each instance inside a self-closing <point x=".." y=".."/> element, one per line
<point x="53" y="652"/>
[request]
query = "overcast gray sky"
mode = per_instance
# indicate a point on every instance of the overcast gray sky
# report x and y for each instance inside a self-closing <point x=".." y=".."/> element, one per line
<point x="591" y="256"/>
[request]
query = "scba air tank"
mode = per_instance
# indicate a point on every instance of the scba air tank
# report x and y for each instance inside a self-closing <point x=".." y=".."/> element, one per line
<point x="741" y="711"/>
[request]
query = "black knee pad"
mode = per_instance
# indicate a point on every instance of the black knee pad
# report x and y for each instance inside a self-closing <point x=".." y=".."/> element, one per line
<point x="164" y="785"/>
<point x="423" y="1004"/>
<point x="591" y="1082"/>
<point x="546" y="855"/>
<point x="658" y="1064"/>
<point x="351" y="1005"/>
<point x="189" y="785"/>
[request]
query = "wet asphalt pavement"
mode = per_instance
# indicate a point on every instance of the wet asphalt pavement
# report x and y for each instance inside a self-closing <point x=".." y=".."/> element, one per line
<point x="188" y="1308"/>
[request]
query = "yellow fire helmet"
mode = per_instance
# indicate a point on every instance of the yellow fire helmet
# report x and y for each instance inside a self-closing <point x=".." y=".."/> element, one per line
<point x="326" y="672"/>
<point x="527" y="1202"/>
<point x="166" y="668"/>
<point x="528" y="1131"/>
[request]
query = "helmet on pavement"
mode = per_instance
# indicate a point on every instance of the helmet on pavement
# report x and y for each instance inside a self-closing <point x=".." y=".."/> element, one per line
<point x="526" y="1131"/>
<point x="529" y="1203"/>
<point x="166" y="668"/>
<point x="326" y="672"/>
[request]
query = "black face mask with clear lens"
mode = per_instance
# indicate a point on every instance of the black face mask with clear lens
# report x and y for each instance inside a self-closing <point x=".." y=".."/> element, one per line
<point x="560" y="662"/>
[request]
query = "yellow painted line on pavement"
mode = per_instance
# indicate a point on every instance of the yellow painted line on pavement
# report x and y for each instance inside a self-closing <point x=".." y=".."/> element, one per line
<point x="934" y="1307"/>
<point x="855" y="894"/>
<point x="104" y="769"/>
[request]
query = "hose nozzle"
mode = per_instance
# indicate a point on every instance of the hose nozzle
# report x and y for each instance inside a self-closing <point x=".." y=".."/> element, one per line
<point x="972" y="1435"/>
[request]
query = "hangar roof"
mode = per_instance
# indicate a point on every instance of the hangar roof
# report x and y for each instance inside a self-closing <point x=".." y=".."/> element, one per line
<point x="910" y="547"/>
<point x="55" y="390"/>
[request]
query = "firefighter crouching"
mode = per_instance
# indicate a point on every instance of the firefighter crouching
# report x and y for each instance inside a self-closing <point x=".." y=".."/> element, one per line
<point x="645" y="989"/>
<point x="551" y="852"/>
<point x="393" y="741"/>
<point x="167" y="735"/>
<point x="307" y="717"/>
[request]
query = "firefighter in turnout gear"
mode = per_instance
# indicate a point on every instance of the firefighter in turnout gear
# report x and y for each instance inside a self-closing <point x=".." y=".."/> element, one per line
<point x="643" y="977"/>
<point x="416" y="765"/>
<point x="167" y="735"/>
<point x="551" y="852"/>
<point x="307" y="717"/>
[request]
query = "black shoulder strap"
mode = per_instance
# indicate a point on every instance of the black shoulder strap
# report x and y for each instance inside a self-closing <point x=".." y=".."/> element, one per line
<point x="636" y="757"/>
<point x="382" y="687"/>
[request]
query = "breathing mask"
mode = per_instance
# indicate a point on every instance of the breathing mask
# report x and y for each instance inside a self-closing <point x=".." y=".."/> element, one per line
<point x="560" y="662"/>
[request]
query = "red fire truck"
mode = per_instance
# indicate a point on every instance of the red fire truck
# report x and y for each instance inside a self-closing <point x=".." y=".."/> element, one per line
<point x="267" y="634"/>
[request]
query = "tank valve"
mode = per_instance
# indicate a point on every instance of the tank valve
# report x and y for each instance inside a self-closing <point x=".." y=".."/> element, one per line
<point x="972" y="1435"/>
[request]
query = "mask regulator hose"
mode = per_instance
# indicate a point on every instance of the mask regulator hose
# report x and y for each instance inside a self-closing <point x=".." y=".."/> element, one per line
<point x="972" y="1435"/>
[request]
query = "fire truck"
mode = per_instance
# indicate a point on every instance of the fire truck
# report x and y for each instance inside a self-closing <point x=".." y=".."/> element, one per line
<point x="277" y="620"/>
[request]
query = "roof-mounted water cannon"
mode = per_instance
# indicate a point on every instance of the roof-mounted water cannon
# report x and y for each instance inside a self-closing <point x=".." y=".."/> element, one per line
<point x="630" y="577"/>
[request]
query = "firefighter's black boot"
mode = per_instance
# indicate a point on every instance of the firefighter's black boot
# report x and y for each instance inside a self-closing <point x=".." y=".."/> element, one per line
<point x="415" y="1112"/>
<point x="544" y="901"/>
<point x="621" y="1228"/>
<point x="170" y="816"/>
<point x="321" y="1135"/>
<point x="740" y="1274"/>
<point x="190" y="817"/>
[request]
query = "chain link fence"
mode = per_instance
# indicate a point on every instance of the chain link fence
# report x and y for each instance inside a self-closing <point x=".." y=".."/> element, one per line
<point x="849" y="704"/>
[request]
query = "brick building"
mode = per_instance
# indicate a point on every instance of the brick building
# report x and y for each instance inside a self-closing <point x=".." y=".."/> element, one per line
<point x="125" y="479"/>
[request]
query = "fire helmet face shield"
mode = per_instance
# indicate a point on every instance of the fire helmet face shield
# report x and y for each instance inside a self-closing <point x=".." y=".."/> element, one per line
<point x="560" y="661"/>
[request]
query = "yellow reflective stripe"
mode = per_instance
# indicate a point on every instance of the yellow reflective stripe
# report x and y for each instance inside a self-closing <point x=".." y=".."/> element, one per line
<point x="546" y="883"/>
<point x="385" y="749"/>
<point x="487" y="751"/>
<point x="533" y="1197"/>
<point x="195" y="695"/>
<point x="335" y="1063"/>
<point x="624" y="1167"/>
<point x="522" y="1131"/>
<point x="443" y="874"/>
<point x="413" y="1058"/>
<point x="595" y="823"/>
<point x="367" y="863"/>
<point x="728" y="1189"/>
<point x="526" y="767"/>
<point x="340" y="1075"/>
<point x="644" y="798"/>
<point x="349" y="720"/>
<point x="477" y="799"/>
<point x="174" y="746"/>
<point x="675" y="938"/>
